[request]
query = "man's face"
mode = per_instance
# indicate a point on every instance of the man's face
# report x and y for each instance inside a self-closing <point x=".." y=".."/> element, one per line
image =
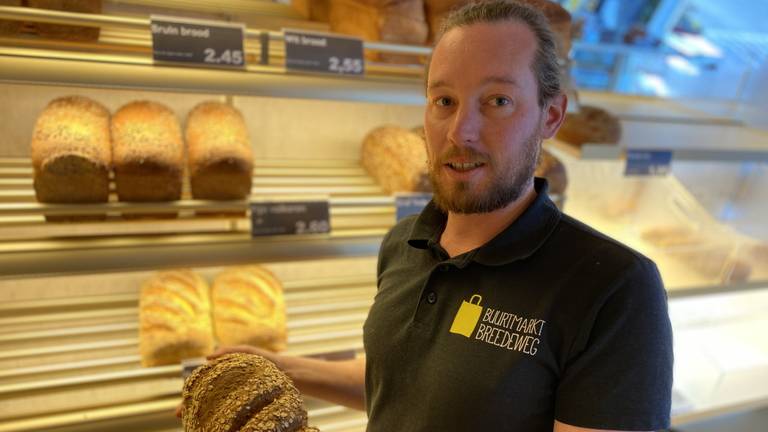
<point x="483" y="123"/>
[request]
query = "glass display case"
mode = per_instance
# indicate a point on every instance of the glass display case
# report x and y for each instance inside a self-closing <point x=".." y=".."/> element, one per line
<point x="69" y="291"/>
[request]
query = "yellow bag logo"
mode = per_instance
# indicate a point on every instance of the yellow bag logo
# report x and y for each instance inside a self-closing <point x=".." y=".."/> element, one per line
<point x="466" y="318"/>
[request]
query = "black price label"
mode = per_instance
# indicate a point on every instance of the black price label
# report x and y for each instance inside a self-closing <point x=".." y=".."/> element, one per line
<point x="320" y="52"/>
<point x="290" y="217"/>
<point x="198" y="42"/>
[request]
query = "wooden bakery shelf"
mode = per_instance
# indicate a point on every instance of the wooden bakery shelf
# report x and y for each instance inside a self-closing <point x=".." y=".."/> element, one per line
<point x="78" y="364"/>
<point x="360" y="215"/>
<point x="122" y="58"/>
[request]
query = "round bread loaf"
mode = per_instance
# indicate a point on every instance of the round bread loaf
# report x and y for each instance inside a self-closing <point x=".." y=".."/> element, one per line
<point x="219" y="152"/>
<point x="248" y="308"/>
<point x="242" y="392"/>
<point x="174" y="318"/>
<point x="72" y="153"/>
<point x="148" y="153"/>
<point x="397" y="158"/>
<point x="553" y="170"/>
<point x="590" y="125"/>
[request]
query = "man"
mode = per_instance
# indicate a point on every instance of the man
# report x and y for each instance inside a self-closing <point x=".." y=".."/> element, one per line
<point x="494" y="311"/>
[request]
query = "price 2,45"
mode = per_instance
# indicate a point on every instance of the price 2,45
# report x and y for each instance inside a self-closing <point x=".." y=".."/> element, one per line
<point x="229" y="57"/>
<point x="345" y="65"/>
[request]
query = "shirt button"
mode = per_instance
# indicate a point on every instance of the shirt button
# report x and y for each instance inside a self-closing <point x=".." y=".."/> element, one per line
<point x="431" y="297"/>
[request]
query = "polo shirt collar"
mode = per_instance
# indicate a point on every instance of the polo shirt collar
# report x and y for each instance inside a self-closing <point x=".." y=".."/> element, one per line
<point x="519" y="240"/>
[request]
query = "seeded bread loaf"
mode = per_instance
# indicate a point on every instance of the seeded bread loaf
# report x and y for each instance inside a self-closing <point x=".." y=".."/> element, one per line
<point x="174" y="318"/>
<point x="248" y="308"/>
<point x="67" y="32"/>
<point x="590" y="125"/>
<point x="220" y="157"/>
<point x="148" y="152"/>
<point x="71" y="153"/>
<point x="242" y="392"/>
<point x="397" y="159"/>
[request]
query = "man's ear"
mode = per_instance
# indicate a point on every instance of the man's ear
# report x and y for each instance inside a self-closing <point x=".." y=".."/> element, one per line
<point x="554" y="114"/>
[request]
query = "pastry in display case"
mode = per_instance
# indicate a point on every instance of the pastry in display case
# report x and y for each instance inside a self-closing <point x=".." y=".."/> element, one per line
<point x="397" y="158"/>
<point x="592" y="125"/>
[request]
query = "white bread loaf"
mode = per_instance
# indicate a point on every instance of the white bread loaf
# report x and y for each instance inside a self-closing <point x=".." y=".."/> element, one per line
<point x="67" y="32"/>
<point x="397" y="158"/>
<point x="174" y="318"/>
<point x="148" y="152"/>
<point x="219" y="152"/>
<point x="248" y="308"/>
<point x="71" y="152"/>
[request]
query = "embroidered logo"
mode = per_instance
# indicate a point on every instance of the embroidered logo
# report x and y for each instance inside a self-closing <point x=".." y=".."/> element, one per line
<point x="466" y="318"/>
<point x="502" y="329"/>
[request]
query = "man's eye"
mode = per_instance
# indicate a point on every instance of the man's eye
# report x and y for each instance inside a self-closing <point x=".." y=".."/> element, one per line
<point x="500" y="101"/>
<point x="443" y="101"/>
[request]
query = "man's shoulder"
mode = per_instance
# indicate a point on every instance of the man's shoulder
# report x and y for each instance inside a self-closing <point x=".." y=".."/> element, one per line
<point x="589" y="243"/>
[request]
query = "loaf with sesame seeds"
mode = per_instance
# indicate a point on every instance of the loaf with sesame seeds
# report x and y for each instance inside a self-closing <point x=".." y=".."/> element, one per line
<point x="220" y="157"/>
<point x="174" y="318"/>
<point x="242" y="392"/>
<point x="148" y="152"/>
<point x="248" y="308"/>
<point x="72" y="153"/>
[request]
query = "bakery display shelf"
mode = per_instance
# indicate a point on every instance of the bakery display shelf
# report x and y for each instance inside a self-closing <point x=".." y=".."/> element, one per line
<point x="228" y="7"/>
<point x="122" y="59"/>
<point x="360" y="214"/>
<point x="54" y="374"/>
<point x="704" y="141"/>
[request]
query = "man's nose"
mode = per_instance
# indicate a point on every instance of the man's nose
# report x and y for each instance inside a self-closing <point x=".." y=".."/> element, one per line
<point x="465" y="127"/>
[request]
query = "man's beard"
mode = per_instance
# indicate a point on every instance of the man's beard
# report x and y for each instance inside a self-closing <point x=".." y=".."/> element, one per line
<point x="506" y="185"/>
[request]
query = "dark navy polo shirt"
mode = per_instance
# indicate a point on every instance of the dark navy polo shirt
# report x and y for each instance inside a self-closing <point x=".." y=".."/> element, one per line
<point x="548" y="320"/>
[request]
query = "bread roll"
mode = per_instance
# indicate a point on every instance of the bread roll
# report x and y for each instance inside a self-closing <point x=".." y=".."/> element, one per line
<point x="242" y="392"/>
<point x="219" y="153"/>
<point x="67" y="32"/>
<point x="395" y="21"/>
<point x="71" y="153"/>
<point x="8" y="27"/>
<point x="397" y="159"/>
<point x="590" y="125"/>
<point x="148" y="153"/>
<point x="174" y="318"/>
<point x="248" y="308"/>
<point x="553" y="170"/>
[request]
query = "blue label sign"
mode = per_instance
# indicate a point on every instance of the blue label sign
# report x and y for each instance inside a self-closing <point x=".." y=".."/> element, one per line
<point x="648" y="162"/>
<point x="410" y="204"/>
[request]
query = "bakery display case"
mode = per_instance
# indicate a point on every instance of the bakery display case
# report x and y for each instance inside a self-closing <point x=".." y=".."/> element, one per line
<point x="70" y="291"/>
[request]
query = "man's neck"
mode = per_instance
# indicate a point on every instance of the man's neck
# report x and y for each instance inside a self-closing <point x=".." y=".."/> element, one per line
<point x="465" y="232"/>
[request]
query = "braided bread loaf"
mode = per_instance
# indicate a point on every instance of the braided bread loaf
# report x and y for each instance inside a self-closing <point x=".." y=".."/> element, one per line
<point x="248" y="308"/>
<point x="174" y="318"/>
<point x="242" y="392"/>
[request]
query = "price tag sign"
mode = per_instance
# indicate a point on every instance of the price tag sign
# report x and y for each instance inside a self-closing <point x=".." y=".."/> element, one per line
<point x="320" y="52"/>
<point x="290" y="217"/>
<point x="648" y="162"/>
<point x="410" y="204"/>
<point x="197" y="42"/>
